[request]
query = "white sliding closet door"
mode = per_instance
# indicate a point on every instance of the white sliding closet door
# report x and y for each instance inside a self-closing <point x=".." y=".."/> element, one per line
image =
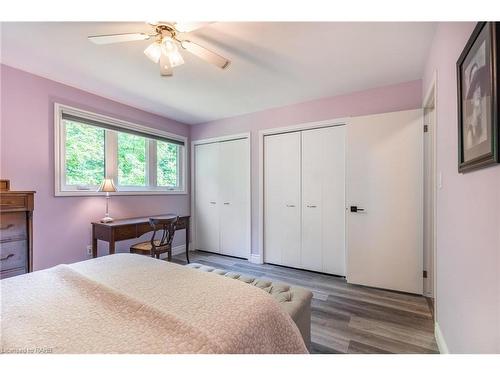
<point x="222" y="197"/>
<point x="207" y="167"/>
<point x="234" y="195"/>
<point x="323" y="200"/>
<point x="282" y="199"/>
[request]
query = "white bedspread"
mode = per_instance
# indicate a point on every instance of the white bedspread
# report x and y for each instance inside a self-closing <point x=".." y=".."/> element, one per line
<point x="127" y="303"/>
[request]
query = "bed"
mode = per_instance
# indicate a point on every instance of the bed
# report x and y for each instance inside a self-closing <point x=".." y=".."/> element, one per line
<point x="127" y="303"/>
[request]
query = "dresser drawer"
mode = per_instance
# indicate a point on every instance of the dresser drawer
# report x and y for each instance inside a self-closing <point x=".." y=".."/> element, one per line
<point x="12" y="225"/>
<point x="13" y="254"/>
<point x="13" y="201"/>
<point x="13" y="272"/>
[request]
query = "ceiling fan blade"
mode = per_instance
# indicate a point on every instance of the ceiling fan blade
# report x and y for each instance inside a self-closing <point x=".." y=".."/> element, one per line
<point x="186" y="27"/>
<point x="205" y="54"/>
<point x="118" y="38"/>
<point x="165" y="68"/>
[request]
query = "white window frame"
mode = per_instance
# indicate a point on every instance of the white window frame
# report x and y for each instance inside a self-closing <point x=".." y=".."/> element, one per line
<point x="111" y="162"/>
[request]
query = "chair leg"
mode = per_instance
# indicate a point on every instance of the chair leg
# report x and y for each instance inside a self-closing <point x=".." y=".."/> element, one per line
<point x="169" y="255"/>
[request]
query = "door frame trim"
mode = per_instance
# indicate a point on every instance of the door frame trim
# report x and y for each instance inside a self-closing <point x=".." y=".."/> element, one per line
<point x="280" y="130"/>
<point x="232" y="137"/>
<point x="431" y="97"/>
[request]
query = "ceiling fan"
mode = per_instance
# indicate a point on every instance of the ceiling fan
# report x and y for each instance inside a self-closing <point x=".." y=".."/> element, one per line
<point x="165" y="48"/>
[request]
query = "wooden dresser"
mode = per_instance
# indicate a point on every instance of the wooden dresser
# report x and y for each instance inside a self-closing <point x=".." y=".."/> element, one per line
<point x="16" y="231"/>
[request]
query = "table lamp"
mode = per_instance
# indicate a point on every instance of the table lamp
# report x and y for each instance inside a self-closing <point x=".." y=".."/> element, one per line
<point x="107" y="186"/>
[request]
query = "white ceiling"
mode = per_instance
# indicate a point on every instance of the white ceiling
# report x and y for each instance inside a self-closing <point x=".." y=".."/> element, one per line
<point x="273" y="64"/>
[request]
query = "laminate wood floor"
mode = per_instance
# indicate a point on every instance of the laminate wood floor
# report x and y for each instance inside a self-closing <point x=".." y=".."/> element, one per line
<point x="346" y="318"/>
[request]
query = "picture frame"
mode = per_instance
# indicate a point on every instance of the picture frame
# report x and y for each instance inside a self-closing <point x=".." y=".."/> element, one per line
<point x="478" y="105"/>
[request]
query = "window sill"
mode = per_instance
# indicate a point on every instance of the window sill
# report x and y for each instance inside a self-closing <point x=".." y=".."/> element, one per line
<point x="86" y="193"/>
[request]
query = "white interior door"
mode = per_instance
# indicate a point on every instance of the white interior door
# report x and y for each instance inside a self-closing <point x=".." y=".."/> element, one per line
<point x="385" y="178"/>
<point x="282" y="199"/>
<point x="207" y="204"/>
<point x="323" y="200"/>
<point x="234" y="196"/>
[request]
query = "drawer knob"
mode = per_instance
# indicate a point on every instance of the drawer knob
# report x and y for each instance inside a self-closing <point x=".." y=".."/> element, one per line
<point x="7" y="257"/>
<point x="4" y="227"/>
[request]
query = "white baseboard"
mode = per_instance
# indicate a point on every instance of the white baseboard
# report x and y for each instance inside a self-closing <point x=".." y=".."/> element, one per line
<point x="255" y="258"/>
<point x="441" y="343"/>
<point x="181" y="249"/>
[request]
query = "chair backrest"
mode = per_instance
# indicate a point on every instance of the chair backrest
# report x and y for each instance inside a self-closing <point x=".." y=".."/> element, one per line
<point x="167" y="227"/>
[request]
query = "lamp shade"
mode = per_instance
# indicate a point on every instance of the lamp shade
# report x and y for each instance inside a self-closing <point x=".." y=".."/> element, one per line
<point x="170" y="50"/>
<point x="153" y="52"/>
<point x="107" y="186"/>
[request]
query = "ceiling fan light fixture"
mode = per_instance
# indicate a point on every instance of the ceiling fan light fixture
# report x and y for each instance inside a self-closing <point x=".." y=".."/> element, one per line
<point x="175" y="59"/>
<point x="170" y="50"/>
<point x="168" y="44"/>
<point x="165" y="49"/>
<point x="153" y="52"/>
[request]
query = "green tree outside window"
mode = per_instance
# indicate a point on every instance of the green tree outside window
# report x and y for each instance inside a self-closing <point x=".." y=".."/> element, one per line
<point x="131" y="160"/>
<point x="84" y="154"/>
<point x="167" y="155"/>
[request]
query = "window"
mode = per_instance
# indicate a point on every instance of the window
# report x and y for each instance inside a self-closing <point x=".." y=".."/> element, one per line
<point x="167" y="157"/>
<point x="84" y="154"/>
<point x="131" y="160"/>
<point x="89" y="147"/>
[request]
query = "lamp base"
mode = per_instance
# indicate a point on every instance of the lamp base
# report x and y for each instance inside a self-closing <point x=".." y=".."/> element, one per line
<point x="106" y="219"/>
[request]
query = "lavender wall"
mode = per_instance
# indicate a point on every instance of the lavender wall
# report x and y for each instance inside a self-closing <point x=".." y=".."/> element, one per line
<point x="468" y="221"/>
<point x="385" y="99"/>
<point x="62" y="224"/>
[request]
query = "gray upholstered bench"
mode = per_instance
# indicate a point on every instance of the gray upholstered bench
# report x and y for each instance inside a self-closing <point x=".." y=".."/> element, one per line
<point x="296" y="301"/>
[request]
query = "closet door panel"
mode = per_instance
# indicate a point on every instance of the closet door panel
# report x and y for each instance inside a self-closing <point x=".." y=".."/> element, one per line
<point x="207" y="203"/>
<point x="323" y="200"/>
<point x="282" y="205"/>
<point x="234" y="196"/>
<point x="334" y="200"/>
<point x="312" y="200"/>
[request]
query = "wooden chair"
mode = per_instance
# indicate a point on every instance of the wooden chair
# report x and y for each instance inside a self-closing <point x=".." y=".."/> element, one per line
<point x="155" y="247"/>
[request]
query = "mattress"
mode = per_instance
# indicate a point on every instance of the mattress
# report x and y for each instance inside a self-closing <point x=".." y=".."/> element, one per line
<point x="126" y="303"/>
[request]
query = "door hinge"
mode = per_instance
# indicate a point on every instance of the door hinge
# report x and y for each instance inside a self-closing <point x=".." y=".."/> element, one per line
<point x="426" y="128"/>
<point x="425" y="274"/>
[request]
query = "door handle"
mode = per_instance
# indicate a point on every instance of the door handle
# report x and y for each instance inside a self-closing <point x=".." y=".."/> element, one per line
<point x="227" y="203"/>
<point x="7" y="257"/>
<point x="212" y="202"/>
<point x="311" y="206"/>
<point x="290" y="205"/>
<point x="356" y="209"/>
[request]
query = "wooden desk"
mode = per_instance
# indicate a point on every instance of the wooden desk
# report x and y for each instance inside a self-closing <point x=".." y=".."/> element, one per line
<point x="126" y="229"/>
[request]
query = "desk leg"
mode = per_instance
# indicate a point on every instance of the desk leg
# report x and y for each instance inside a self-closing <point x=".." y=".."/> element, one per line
<point x="187" y="241"/>
<point x="112" y="245"/>
<point x="94" y="244"/>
